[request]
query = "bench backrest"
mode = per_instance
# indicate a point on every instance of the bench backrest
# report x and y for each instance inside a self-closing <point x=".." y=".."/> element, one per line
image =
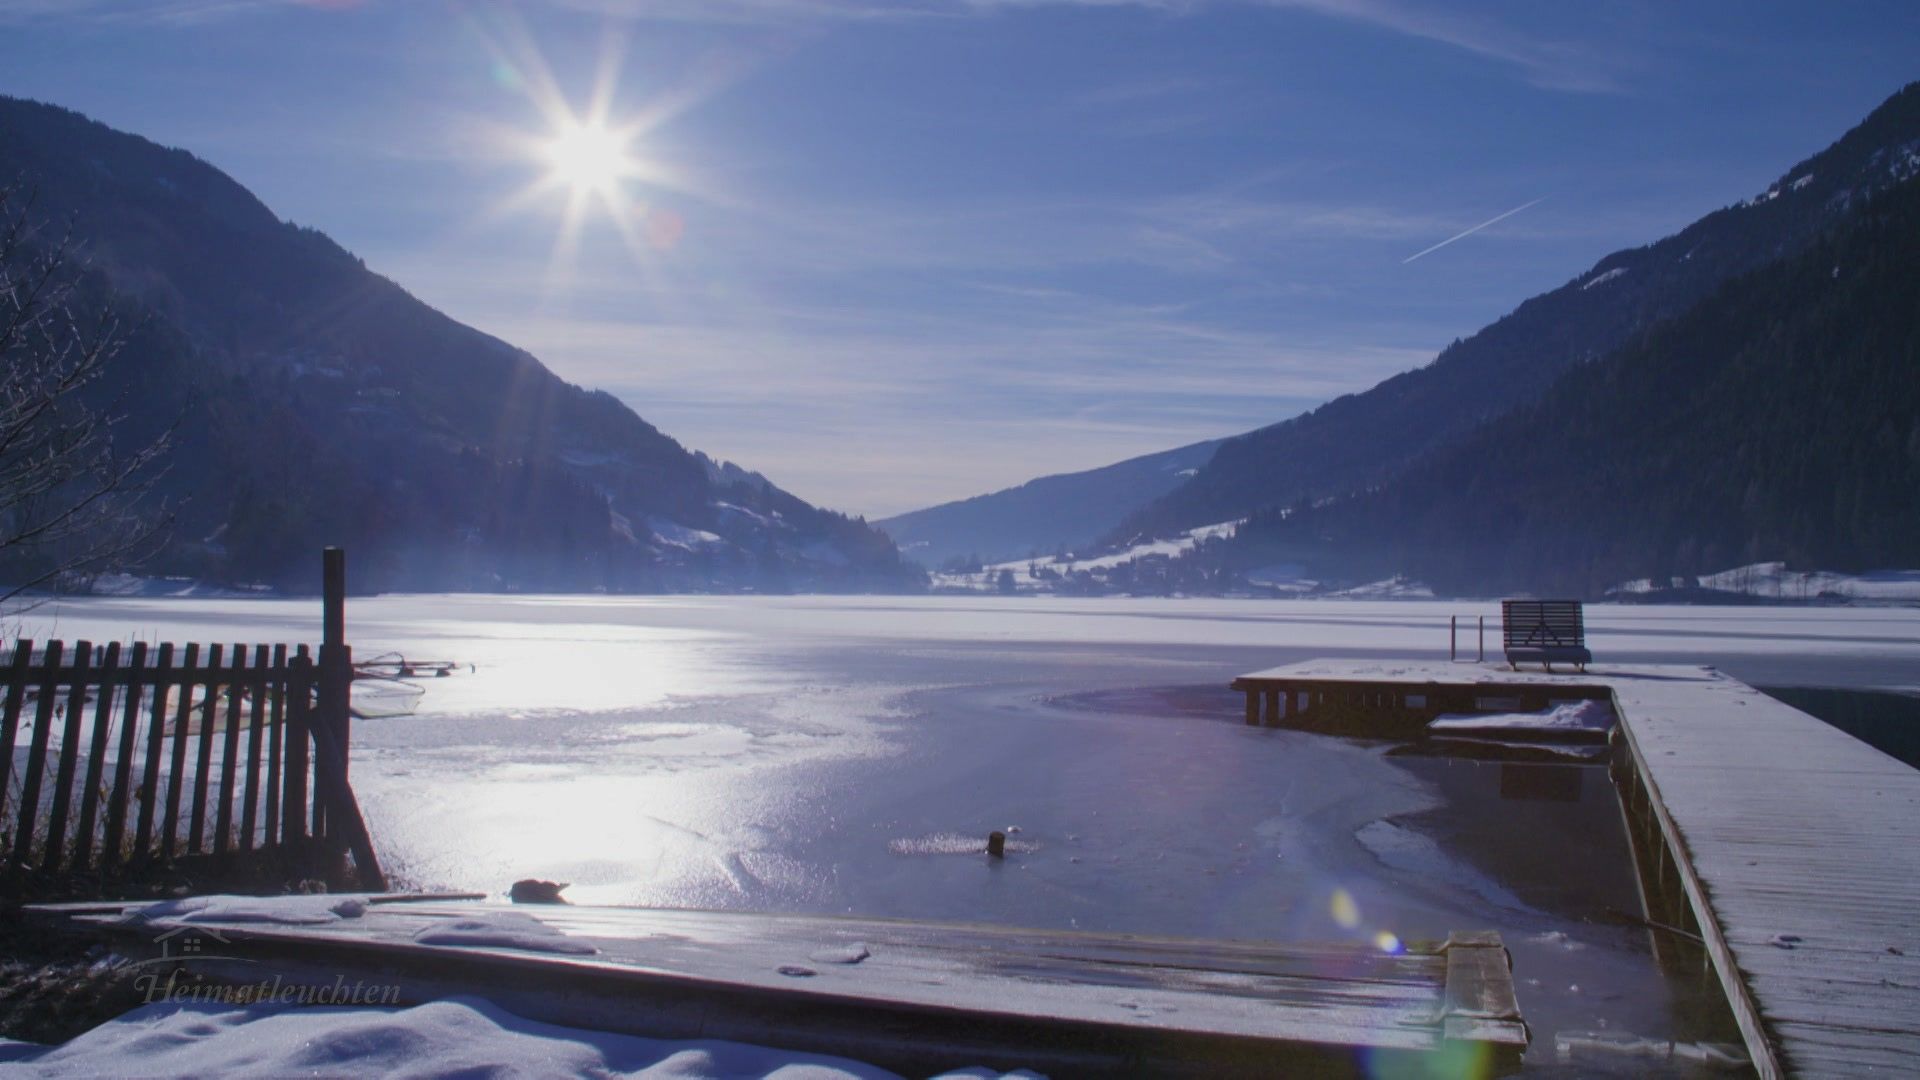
<point x="1543" y="623"/>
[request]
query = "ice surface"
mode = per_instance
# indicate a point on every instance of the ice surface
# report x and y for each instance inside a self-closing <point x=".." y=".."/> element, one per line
<point x="502" y="930"/>
<point x="1573" y="716"/>
<point x="458" y="1037"/>
<point x="766" y="753"/>
<point x="1415" y="854"/>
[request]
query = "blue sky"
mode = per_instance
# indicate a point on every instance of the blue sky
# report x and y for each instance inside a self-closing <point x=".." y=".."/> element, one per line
<point x="892" y="252"/>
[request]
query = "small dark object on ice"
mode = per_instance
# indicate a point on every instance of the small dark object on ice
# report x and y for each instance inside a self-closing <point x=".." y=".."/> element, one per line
<point x="997" y="844"/>
<point x="535" y="891"/>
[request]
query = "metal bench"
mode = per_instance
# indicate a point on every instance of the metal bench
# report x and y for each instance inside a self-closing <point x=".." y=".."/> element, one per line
<point x="1544" y="631"/>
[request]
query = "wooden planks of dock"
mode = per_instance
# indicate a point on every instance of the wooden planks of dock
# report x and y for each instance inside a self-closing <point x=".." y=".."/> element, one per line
<point x="917" y="997"/>
<point x="1797" y="846"/>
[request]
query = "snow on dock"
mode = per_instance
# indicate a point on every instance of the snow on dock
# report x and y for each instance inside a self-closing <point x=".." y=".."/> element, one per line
<point x="919" y="997"/>
<point x="1797" y="846"/>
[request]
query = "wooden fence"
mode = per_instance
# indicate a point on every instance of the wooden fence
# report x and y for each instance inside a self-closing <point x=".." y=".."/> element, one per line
<point x="135" y="756"/>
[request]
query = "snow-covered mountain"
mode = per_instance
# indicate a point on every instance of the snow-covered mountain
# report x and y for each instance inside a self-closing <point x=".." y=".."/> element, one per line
<point x="1047" y="516"/>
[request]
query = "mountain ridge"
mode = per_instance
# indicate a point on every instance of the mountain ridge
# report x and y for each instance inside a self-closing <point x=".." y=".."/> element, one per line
<point x="336" y="407"/>
<point x="1778" y="419"/>
<point x="1359" y="440"/>
<point x="1045" y="514"/>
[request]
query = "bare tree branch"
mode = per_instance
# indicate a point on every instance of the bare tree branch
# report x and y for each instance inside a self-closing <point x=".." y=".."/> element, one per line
<point x="70" y="497"/>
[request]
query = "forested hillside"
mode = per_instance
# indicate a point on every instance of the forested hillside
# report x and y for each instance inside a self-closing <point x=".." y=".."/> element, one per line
<point x="1365" y="439"/>
<point x="1777" y="419"/>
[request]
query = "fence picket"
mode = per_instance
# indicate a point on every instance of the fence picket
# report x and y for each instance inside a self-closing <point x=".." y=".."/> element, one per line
<point x="30" y="781"/>
<point x="177" y="775"/>
<point x="63" y="779"/>
<point x="10" y="719"/>
<point x="156" y="748"/>
<point x="276" y="753"/>
<point x="123" y="767"/>
<point x="203" y="759"/>
<point x="299" y="707"/>
<point x="96" y="757"/>
<point x="257" y="722"/>
<point x="230" y="754"/>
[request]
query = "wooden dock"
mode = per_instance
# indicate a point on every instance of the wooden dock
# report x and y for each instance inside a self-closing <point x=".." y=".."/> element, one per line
<point x="916" y="997"/>
<point x="1796" y="845"/>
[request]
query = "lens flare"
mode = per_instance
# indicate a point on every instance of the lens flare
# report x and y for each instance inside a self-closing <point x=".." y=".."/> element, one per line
<point x="1345" y="910"/>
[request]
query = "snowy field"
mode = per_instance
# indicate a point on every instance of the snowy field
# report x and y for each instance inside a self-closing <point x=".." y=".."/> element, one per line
<point x="832" y="755"/>
<point x="1773" y="581"/>
<point x="986" y="579"/>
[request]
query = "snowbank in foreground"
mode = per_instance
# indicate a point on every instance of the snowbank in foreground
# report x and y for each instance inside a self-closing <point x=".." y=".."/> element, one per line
<point x="457" y="1037"/>
<point x="1576" y="716"/>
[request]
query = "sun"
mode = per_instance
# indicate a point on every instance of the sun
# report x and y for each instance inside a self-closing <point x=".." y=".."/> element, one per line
<point x="589" y="157"/>
<point x="595" y="159"/>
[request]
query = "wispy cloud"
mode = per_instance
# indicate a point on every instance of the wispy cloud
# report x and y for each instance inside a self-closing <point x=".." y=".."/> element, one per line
<point x="1547" y="63"/>
<point x="1544" y="62"/>
<point x="184" y="12"/>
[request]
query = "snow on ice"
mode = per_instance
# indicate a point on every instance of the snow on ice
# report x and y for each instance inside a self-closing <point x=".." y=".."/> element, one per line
<point x="282" y="910"/>
<point x="502" y="930"/>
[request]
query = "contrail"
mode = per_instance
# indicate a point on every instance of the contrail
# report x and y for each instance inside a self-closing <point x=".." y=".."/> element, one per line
<point x="1475" y="229"/>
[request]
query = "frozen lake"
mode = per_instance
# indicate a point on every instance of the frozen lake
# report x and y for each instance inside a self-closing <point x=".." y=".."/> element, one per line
<point x="824" y="754"/>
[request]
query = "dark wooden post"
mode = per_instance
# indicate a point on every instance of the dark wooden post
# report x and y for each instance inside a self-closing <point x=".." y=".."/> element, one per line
<point x="336" y="657"/>
<point x="330" y="718"/>
<point x="332" y="728"/>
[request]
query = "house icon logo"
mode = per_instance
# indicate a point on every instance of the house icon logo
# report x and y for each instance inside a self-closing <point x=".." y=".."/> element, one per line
<point x="189" y="942"/>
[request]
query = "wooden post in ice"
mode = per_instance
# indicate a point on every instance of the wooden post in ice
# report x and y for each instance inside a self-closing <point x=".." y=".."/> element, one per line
<point x="333" y="733"/>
